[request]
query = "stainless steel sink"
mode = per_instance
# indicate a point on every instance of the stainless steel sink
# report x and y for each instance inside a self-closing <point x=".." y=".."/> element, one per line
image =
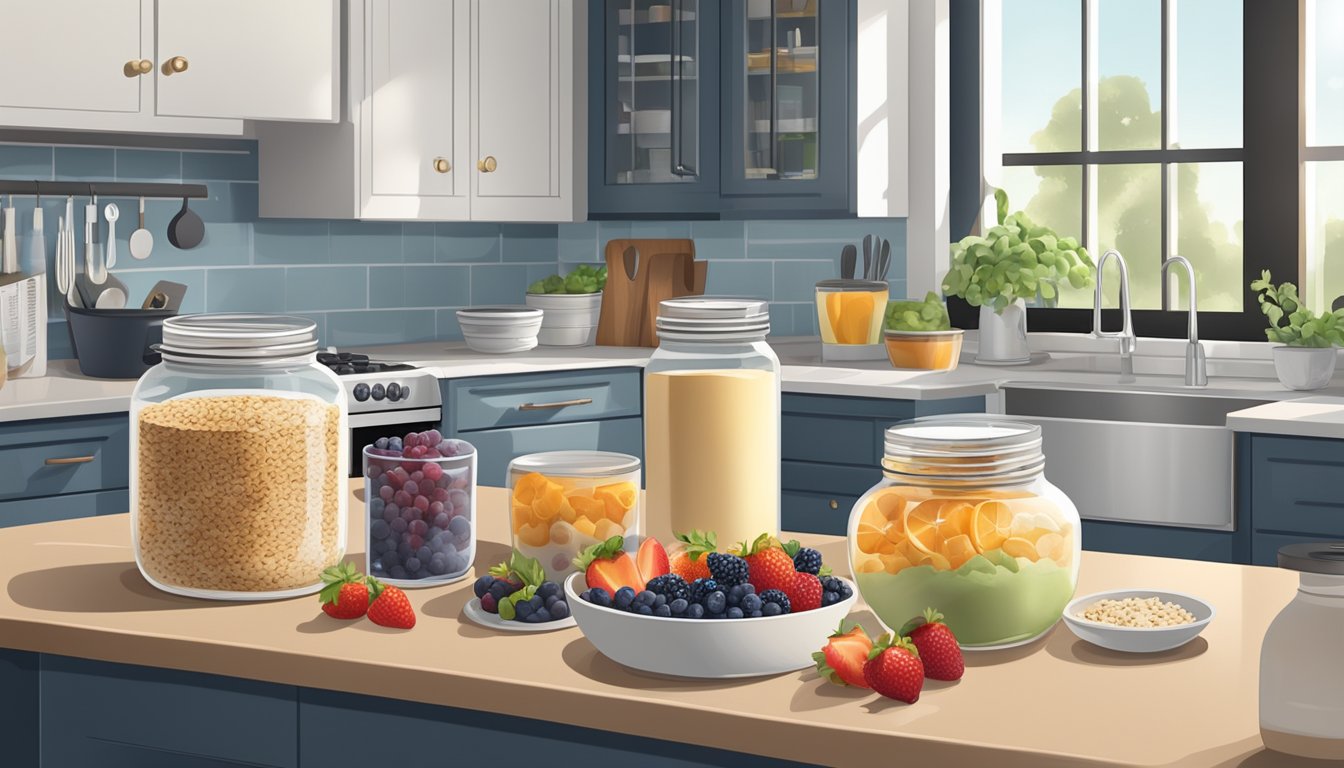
<point x="1161" y="458"/>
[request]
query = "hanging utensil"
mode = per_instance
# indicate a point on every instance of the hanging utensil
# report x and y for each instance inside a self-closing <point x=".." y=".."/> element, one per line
<point x="186" y="230"/>
<point x="111" y="213"/>
<point x="867" y="255"/>
<point x="61" y="285"/>
<point x="68" y="236"/>
<point x="142" y="241"/>
<point x="93" y="252"/>
<point x="884" y="263"/>
<point x="848" y="255"/>
<point x="10" y="256"/>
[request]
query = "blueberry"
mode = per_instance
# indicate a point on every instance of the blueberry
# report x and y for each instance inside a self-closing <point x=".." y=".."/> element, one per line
<point x="643" y="610"/>
<point x="748" y="589"/>
<point x="663" y="611"/>
<point x="754" y="615"/>
<point x="394" y="444"/>
<point x="735" y="594"/>
<point x="397" y="572"/>
<point x="380" y="443"/>
<point x="547" y="589"/>
<point x="380" y="529"/>
<point x="625" y="596"/>
<point x="438" y="565"/>
<point x="599" y="596"/>
<point x="659" y="601"/>
<point x="412" y="564"/>
<point x="501" y="589"/>
<point x="678" y="607"/>
<point x="830" y="598"/>
<point x="390" y="561"/>
<point x="646" y="598"/>
<point x="423" y="554"/>
<point x="459" y="526"/>
<point x="559" y="610"/>
<point x="751" y="603"/>
<point x="771" y="609"/>
<point x="716" y="602"/>
<point x="376" y="507"/>
<point x="404" y="550"/>
<point x="695" y="611"/>
<point x="735" y="613"/>
<point x="537" y="603"/>
<point x="537" y="617"/>
<point x="523" y="609"/>
<point x="552" y="600"/>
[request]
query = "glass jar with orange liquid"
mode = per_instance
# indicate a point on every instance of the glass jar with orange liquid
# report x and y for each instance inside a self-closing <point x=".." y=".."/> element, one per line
<point x="964" y="521"/>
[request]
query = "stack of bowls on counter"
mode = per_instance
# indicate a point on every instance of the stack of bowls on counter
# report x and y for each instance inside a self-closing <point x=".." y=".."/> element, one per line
<point x="500" y="329"/>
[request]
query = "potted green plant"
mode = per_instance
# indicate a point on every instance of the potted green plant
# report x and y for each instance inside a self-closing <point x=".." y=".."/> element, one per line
<point x="1307" y="358"/>
<point x="570" y="306"/>
<point x="1012" y="262"/>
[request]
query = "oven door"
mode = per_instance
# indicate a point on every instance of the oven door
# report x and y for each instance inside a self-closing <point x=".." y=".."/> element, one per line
<point x="365" y="428"/>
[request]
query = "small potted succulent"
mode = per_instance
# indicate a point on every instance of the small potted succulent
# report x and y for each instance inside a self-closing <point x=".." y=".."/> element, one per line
<point x="1307" y="358"/>
<point x="570" y="306"/>
<point x="1014" y="261"/>
<point x="919" y="335"/>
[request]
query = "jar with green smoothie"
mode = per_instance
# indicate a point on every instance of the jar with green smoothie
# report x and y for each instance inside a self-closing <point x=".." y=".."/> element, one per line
<point x="964" y="521"/>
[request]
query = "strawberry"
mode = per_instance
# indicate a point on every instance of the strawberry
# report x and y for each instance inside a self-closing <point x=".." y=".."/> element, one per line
<point x="804" y="592"/>
<point x="938" y="647"/>
<point x="390" y="606"/>
<point x="345" y="596"/>
<point x="690" y="562"/>
<point x="651" y="561"/>
<point x="769" y="566"/>
<point x="894" y="670"/>
<point x="842" y="660"/>
<point x="606" y="565"/>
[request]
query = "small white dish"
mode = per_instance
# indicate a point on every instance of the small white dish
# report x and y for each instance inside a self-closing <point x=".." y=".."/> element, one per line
<point x="702" y="648"/>
<point x="500" y="329"/>
<point x="478" y="615"/>
<point x="1138" y="639"/>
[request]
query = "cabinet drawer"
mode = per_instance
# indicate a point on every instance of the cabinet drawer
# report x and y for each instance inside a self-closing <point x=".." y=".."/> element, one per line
<point x="67" y="507"/>
<point x="48" y="458"/>
<point x="1295" y="485"/>
<point x="497" y="447"/>
<point x="1265" y="546"/>
<point x="815" y="512"/>
<point x="1162" y="541"/>
<point x="520" y="401"/>
<point x="97" y="713"/>
<point x="828" y="478"/>
<point x="828" y="439"/>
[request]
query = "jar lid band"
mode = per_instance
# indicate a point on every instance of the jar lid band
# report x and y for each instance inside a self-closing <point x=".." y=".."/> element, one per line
<point x="712" y="319"/>
<point x="963" y="448"/>
<point x="235" y="337"/>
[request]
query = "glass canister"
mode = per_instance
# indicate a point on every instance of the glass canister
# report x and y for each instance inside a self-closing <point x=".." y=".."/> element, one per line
<point x="238" y="450"/>
<point x="711" y="421"/>
<point x="420" y="501"/>
<point x="1301" y="701"/>
<point x="964" y="521"/>
<point x="562" y="502"/>
<point x="851" y="311"/>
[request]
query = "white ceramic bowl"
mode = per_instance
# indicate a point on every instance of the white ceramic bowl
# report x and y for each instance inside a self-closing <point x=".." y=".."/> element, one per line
<point x="706" y="648"/>
<point x="1138" y="639"/>
<point x="568" y="319"/>
<point x="500" y="329"/>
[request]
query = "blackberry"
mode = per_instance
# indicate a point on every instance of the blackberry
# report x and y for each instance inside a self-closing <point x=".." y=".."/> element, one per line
<point x="671" y="585"/>
<point x="807" y="560"/>
<point x="728" y="570"/>
<point x="776" y="597"/>
<point x="700" y="588"/>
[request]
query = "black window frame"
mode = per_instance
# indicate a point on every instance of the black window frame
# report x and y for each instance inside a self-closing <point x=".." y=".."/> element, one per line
<point x="1273" y="131"/>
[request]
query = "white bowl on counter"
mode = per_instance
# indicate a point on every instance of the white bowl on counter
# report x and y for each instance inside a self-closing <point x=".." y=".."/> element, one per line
<point x="500" y="329"/>
<point x="705" y="648"/>
<point x="568" y="319"/>
<point x="1138" y="639"/>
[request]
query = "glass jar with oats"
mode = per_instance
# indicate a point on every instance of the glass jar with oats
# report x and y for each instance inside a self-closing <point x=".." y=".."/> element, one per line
<point x="238" y="450"/>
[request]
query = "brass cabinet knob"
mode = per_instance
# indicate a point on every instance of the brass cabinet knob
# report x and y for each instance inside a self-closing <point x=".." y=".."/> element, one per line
<point x="174" y="65"/>
<point x="442" y="165"/>
<point x="487" y="165"/>
<point x="137" y="67"/>
<point x="834" y="504"/>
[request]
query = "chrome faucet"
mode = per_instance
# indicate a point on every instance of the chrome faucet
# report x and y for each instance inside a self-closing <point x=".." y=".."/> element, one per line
<point x="1196" y="371"/>
<point x="1126" y="332"/>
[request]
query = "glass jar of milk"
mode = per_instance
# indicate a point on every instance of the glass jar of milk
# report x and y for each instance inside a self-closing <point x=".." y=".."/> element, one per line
<point x="711" y="421"/>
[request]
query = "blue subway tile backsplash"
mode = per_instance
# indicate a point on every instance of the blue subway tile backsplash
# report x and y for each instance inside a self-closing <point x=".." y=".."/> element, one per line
<point x="387" y="282"/>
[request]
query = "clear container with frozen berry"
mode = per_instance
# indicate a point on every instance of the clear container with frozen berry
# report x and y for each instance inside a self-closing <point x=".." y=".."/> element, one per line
<point x="420" y="498"/>
<point x="562" y="502"/>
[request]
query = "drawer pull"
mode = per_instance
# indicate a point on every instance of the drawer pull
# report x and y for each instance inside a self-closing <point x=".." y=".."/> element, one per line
<point x="834" y="504"/>
<point x="71" y="460"/>
<point x="558" y="404"/>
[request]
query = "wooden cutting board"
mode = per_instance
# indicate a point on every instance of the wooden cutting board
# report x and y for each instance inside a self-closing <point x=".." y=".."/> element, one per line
<point x="640" y="274"/>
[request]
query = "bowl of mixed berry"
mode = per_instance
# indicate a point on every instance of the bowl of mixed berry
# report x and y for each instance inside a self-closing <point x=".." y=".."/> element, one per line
<point x="760" y="608"/>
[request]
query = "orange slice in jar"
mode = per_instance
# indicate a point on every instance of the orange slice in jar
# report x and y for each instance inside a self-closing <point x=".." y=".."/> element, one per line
<point x="894" y="563"/>
<point x="956" y="517"/>
<point x="1051" y="546"/>
<point x="619" y="499"/>
<point x="548" y="504"/>
<point x="1015" y="546"/>
<point x="869" y="538"/>
<point x="891" y="506"/>
<point x="921" y="526"/>
<point x="990" y="524"/>
<point x="872" y="515"/>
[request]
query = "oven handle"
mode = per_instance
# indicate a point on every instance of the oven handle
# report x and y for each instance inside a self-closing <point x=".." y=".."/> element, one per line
<point x="389" y="418"/>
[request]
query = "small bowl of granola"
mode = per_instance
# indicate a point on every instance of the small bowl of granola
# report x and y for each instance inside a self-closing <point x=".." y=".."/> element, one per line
<point x="1138" y="620"/>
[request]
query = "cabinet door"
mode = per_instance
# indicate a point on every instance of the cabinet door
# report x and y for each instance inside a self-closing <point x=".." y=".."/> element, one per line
<point x="525" y="121"/>
<point x="71" y="55"/>
<point x="414" y="126"/>
<point x="250" y="59"/>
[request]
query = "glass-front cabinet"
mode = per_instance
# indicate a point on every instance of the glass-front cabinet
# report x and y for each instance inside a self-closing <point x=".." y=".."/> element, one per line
<point x="721" y="107"/>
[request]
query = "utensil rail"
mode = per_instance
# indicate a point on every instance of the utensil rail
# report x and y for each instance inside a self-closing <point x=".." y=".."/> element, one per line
<point x="103" y="188"/>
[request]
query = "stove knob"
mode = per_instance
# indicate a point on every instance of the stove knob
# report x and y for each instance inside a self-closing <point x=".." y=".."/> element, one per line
<point x="344" y="369"/>
<point x="393" y="392"/>
<point x="377" y="392"/>
<point x="405" y="391"/>
<point x="361" y="392"/>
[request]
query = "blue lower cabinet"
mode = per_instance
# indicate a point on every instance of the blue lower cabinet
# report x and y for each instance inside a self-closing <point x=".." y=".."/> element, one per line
<point x="20" y="730"/>
<point x="59" y="456"/>
<point x="425" y="736"/>
<point x="497" y="447"/>
<point x="816" y="512"/>
<point x="67" y="507"/>
<point x="1164" y="541"/>
<point x="116" y="715"/>
<point x="1295" y="492"/>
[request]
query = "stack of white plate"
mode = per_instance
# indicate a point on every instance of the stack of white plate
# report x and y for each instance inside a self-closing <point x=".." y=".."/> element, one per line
<point x="500" y="329"/>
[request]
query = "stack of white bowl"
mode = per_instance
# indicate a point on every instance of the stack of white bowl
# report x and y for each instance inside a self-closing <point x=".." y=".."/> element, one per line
<point x="570" y="318"/>
<point x="500" y="329"/>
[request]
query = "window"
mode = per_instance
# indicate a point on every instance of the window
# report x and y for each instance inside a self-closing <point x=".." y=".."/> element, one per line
<point x="1324" y="58"/>
<point x="1121" y="122"/>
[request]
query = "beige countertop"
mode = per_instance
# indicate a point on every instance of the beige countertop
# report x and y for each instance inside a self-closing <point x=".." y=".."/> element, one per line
<point x="72" y="588"/>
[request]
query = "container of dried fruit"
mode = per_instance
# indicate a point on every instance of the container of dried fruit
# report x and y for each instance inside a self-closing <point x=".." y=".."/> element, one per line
<point x="849" y="314"/>
<point x="238" y="455"/>
<point x="420" y="500"/>
<point x="964" y="520"/>
<point x="562" y="502"/>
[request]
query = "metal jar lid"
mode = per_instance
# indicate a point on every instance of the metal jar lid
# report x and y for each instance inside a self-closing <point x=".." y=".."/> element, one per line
<point x="1314" y="557"/>
<point x="223" y="338"/>
<point x="712" y="318"/>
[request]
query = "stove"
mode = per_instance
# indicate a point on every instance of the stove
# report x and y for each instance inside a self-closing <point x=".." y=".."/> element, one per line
<point x="385" y="399"/>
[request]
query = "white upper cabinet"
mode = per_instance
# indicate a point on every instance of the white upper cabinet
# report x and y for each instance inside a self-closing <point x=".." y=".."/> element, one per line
<point x="72" y="54"/>
<point x="254" y="59"/>
<point x="458" y="110"/>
